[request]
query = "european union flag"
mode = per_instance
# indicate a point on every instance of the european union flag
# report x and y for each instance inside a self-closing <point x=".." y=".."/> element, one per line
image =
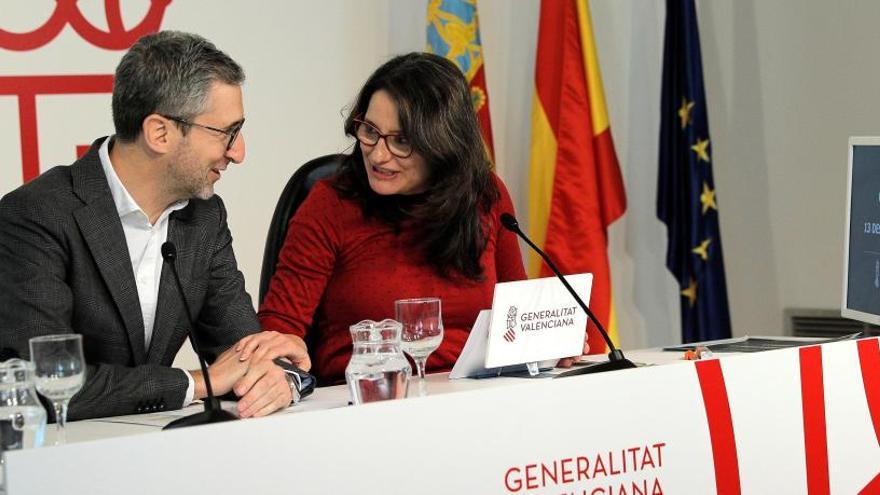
<point x="685" y="189"/>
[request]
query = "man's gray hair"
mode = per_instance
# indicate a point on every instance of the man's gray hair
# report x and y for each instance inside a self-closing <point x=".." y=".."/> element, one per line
<point x="169" y="73"/>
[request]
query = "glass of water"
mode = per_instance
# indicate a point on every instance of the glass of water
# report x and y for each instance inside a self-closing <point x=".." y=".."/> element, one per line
<point x="422" y="332"/>
<point x="59" y="373"/>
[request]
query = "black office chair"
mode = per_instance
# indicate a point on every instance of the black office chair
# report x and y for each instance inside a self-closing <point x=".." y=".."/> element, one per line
<point x="298" y="187"/>
<point x="295" y="192"/>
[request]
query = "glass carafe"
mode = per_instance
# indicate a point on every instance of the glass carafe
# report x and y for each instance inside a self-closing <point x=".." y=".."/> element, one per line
<point x="22" y="417"/>
<point x="378" y="370"/>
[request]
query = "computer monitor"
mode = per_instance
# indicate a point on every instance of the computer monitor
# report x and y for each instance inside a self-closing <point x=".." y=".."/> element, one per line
<point x="861" y="251"/>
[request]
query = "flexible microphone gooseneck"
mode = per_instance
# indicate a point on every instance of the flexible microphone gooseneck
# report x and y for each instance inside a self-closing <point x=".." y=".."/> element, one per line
<point x="213" y="413"/>
<point x="616" y="360"/>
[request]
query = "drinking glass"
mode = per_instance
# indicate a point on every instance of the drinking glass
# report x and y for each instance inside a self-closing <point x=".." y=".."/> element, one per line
<point x="59" y="373"/>
<point x="422" y="333"/>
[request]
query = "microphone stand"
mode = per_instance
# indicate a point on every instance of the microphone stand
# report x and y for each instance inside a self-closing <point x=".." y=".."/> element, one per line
<point x="616" y="360"/>
<point x="213" y="413"/>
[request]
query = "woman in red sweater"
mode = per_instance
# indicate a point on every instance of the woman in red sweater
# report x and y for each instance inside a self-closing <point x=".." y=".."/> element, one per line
<point x="412" y="212"/>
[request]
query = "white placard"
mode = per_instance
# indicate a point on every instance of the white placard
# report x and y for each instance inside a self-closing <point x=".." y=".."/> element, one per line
<point x="471" y="362"/>
<point x="536" y="320"/>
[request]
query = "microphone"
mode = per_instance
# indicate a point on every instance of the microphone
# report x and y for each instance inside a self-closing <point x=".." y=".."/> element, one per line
<point x="213" y="413"/>
<point x="616" y="360"/>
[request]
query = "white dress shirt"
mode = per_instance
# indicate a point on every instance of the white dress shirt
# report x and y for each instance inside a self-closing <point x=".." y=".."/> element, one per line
<point x="144" y="242"/>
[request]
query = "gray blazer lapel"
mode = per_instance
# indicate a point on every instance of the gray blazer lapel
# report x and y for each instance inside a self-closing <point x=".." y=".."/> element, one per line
<point x="185" y="234"/>
<point x="101" y="229"/>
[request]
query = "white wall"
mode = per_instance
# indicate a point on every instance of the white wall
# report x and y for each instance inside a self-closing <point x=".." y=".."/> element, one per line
<point x="787" y="82"/>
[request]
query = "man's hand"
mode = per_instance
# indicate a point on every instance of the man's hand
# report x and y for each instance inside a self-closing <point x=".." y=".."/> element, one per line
<point x="567" y="362"/>
<point x="266" y="346"/>
<point x="224" y="372"/>
<point x="263" y="389"/>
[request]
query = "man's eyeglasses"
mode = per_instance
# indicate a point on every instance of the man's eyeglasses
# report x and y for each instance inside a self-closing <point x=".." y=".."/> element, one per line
<point x="369" y="135"/>
<point x="232" y="131"/>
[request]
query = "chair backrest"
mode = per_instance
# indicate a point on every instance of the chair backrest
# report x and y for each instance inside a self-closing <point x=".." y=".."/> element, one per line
<point x="295" y="192"/>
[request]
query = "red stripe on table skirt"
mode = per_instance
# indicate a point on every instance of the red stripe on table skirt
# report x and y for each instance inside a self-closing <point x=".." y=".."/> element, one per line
<point x="869" y="361"/>
<point x="815" y="436"/>
<point x="720" y="427"/>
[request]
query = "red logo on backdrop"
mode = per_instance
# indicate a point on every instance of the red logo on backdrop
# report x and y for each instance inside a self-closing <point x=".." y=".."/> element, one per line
<point x="26" y="88"/>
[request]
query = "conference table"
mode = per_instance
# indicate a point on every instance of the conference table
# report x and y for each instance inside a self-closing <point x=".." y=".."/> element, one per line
<point x="324" y="398"/>
<point x="794" y="420"/>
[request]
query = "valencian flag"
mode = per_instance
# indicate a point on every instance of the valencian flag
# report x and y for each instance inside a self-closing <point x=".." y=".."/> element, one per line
<point x="454" y="33"/>
<point x="575" y="185"/>
<point x="686" y="200"/>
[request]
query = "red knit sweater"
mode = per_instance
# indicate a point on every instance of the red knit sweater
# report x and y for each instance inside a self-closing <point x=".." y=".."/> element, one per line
<point x="344" y="269"/>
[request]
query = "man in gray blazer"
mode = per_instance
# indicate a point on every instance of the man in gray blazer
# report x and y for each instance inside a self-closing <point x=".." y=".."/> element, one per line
<point x="80" y="245"/>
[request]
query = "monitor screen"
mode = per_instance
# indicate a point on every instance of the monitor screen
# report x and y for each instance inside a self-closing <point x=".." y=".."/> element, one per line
<point x="861" y="261"/>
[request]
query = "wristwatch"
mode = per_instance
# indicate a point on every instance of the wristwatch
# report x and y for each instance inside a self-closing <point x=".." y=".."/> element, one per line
<point x="301" y="383"/>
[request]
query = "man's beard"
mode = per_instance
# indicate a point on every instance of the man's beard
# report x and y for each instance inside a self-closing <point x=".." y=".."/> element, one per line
<point x="187" y="178"/>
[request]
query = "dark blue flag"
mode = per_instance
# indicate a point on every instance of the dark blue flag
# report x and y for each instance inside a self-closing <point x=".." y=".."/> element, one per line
<point x="686" y="200"/>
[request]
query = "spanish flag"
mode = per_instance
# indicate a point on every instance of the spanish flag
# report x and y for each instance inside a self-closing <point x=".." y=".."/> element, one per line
<point x="575" y="185"/>
<point x="454" y="33"/>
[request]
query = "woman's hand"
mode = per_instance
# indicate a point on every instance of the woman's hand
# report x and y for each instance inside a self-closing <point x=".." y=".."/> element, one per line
<point x="270" y="345"/>
<point x="567" y="362"/>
